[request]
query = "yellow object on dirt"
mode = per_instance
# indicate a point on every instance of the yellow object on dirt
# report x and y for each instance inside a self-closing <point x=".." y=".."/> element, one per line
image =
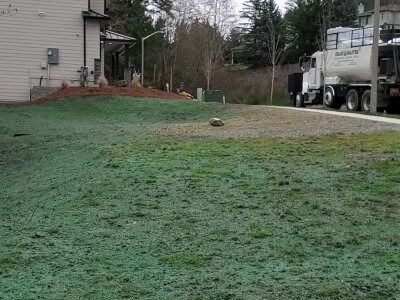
<point x="186" y="95"/>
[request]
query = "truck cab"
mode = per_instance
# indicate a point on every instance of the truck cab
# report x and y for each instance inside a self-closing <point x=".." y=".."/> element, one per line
<point x="307" y="87"/>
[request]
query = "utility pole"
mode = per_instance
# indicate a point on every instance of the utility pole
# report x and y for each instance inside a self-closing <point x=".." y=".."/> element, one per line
<point x="143" y="39"/>
<point x="375" y="58"/>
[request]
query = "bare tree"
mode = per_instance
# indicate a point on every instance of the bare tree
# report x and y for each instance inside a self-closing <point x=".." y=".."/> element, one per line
<point x="183" y="12"/>
<point x="219" y="15"/>
<point x="325" y="22"/>
<point x="208" y="21"/>
<point x="274" y="51"/>
<point x="211" y="54"/>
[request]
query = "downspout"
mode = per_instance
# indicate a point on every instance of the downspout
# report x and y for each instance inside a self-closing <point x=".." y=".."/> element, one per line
<point x="84" y="37"/>
<point x="84" y="42"/>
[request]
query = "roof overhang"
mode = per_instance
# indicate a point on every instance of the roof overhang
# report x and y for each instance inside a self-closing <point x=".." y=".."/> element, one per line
<point x="90" y="14"/>
<point x="116" y="42"/>
<point x="117" y="38"/>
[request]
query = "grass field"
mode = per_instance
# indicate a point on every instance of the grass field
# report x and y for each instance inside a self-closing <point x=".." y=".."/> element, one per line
<point x="93" y="205"/>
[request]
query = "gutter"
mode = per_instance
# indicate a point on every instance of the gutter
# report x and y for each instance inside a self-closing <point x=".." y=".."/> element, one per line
<point x="84" y="42"/>
<point x="84" y="38"/>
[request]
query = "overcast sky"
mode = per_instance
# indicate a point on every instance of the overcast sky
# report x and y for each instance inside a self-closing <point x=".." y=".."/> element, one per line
<point x="281" y="4"/>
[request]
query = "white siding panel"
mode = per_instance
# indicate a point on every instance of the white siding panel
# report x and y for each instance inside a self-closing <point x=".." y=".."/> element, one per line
<point x="396" y="18"/>
<point x="93" y="45"/>
<point x="25" y="37"/>
<point x="97" y="6"/>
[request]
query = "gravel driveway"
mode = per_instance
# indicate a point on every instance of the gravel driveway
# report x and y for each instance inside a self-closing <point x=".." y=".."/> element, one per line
<point x="256" y="121"/>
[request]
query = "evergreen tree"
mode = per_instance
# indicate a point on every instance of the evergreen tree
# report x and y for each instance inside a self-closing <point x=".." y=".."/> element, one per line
<point x="302" y="28"/>
<point x="128" y="17"/>
<point x="340" y="12"/>
<point x="262" y="15"/>
<point x="308" y="20"/>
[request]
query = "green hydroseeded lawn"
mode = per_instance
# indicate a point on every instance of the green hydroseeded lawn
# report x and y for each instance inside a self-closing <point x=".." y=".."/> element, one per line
<point x="94" y="205"/>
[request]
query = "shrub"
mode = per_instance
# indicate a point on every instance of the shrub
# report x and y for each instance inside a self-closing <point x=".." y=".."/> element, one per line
<point x="64" y="84"/>
<point x="102" y="82"/>
<point x="120" y="83"/>
<point x="136" y="79"/>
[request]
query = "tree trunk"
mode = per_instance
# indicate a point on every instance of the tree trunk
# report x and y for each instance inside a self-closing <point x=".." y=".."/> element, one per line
<point x="272" y="83"/>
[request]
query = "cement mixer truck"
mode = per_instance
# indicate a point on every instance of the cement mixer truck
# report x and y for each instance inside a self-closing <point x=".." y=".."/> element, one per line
<point x="342" y="73"/>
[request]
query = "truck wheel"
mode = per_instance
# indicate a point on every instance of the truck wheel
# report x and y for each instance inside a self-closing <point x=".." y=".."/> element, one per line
<point x="366" y="100"/>
<point x="353" y="100"/>
<point x="299" y="101"/>
<point x="330" y="100"/>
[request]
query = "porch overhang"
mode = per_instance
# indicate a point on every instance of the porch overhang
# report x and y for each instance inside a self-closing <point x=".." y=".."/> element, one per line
<point x="116" y="42"/>
<point x="118" y="38"/>
<point x="90" y="14"/>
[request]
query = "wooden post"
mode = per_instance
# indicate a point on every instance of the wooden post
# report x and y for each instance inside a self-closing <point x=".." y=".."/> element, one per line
<point x="171" y="88"/>
<point x="113" y="67"/>
<point x="126" y="62"/>
<point x="375" y="59"/>
<point x="117" y="64"/>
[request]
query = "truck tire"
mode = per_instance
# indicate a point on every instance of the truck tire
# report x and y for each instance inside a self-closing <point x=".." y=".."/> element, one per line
<point x="353" y="100"/>
<point x="366" y="100"/>
<point x="299" y="100"/>
<point x="330" y="100"/>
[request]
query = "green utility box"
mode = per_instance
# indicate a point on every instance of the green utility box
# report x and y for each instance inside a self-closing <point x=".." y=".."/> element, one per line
<point x="213" y="96"/>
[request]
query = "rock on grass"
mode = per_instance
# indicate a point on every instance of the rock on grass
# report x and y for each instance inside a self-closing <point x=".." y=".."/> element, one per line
<point x="215" y="122"/>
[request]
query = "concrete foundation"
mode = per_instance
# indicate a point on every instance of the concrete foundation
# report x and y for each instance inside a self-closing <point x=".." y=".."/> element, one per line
<point x="38" y="92"/>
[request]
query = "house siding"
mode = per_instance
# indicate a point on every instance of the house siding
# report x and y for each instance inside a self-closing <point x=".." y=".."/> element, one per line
<point x="25" y="37"/>
<point x="97" y="6"/>
<point x="389" y="14"/>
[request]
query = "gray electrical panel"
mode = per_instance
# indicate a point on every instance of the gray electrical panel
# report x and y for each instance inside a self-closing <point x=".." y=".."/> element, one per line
<point x="53" y="55"/>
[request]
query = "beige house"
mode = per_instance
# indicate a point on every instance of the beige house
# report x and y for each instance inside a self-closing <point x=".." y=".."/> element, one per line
<point x="45" y="41"/>
<point x="390" y="14"/>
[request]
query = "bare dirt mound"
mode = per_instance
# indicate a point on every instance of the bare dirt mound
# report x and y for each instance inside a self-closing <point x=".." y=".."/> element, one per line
<point x="126" y="91"/>
<point x="97" y="91"/>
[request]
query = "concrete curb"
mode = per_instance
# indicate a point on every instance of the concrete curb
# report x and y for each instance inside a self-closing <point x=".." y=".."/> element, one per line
<point x="343" y="114"/>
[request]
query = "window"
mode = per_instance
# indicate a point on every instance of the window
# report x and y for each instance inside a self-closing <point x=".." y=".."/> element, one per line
<point x="305" y="63"/>
<point x="364" y="21"/>
<point x="314" y="63"/>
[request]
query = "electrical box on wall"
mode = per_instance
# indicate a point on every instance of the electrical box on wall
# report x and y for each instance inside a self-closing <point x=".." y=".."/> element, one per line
<point x="53" y="55"/>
